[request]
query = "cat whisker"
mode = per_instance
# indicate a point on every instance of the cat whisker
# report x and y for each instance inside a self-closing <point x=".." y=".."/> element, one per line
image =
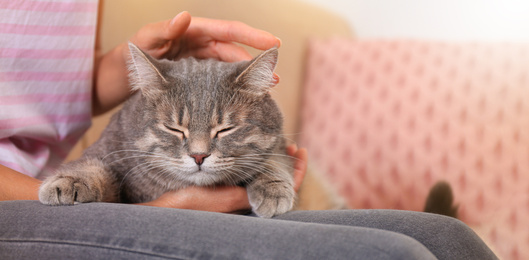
<point x="148" y="167"/>
<point x="269" y="162"/>
<point x="129" y="172"/>
<point x="228" y="174"/>
<point x="174" y="160"/>
<point x="243" y="175"/>
<point x="229" y="166"/>
<point x="166" y="170"/>
<point x="284" y="136"/>
<point x="268" y="154"/>
<point x="130" y="151"/>
<point x="272" y="170"/>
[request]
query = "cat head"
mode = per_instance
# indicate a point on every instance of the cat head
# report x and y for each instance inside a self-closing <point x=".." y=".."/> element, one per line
<point x="209" y="121"/>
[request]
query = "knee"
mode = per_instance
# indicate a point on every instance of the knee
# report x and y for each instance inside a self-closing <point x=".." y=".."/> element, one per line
<point x="449" y="226"/>
<point x="453" y="231"/>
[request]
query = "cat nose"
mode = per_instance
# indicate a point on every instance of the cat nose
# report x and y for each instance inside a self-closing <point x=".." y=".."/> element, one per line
<point x="199" y="158"/>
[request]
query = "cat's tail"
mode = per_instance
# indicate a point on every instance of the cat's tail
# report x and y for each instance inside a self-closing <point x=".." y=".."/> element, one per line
<point x="440" y="200"/>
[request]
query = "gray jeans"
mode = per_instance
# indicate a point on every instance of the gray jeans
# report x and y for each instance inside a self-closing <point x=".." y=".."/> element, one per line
<point x="29" y="230"/>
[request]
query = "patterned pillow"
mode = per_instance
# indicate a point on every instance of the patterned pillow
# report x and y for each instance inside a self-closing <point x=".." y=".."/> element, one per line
<point x="384" y="120"/>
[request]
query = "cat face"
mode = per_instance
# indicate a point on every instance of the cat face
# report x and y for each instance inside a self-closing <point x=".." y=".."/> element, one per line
<point x="207" y="122"/>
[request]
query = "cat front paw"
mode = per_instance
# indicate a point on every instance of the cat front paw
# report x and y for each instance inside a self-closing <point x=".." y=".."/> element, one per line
<point x="272" y="200"/>
<point x="67" y="190"/>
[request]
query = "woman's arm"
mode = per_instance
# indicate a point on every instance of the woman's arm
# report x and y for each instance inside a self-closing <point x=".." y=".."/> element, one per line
<point x="17" y="186"/>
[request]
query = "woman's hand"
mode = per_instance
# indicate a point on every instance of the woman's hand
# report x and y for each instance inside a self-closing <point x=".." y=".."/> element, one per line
<point x="185" y="36"/>
<point x="17" y="186"/>
<point x="224" y="199"/>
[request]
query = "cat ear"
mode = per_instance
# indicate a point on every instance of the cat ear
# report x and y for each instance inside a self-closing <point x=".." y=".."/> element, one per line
<point x="258" y="76"/>
<point x="144" y="72"/>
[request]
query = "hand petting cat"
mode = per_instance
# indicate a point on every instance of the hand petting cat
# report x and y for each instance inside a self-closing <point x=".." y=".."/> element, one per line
<point x="180" y="37"/>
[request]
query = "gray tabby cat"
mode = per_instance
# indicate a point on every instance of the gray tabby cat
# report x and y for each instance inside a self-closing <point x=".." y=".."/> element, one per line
<point x="191" y="122"/>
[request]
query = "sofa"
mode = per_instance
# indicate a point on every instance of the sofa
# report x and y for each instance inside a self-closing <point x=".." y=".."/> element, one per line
<point x="383" y="120"/>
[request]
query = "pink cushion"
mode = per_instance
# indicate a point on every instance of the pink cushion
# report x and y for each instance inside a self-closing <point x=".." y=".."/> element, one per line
<point x="385" y="120"/>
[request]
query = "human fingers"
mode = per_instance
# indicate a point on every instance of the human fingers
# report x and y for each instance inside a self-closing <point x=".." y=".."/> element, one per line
<point x="177" y="26"/>
<point x="300" y="168"/>
<point x="234" y="31"/>
<point x="156" y="38"/>
<point x="276" y="79"/>
<point x="300" y="164"/>
<point x="292" y="149"/>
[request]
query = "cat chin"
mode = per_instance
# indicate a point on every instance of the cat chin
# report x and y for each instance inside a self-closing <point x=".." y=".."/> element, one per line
<point x="202" y="178"/>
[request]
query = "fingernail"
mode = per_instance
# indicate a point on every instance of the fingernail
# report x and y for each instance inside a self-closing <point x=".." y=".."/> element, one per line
<point x="176" y="18"/>
<point x="278" y="44"/>
<point x="276" y="79"/>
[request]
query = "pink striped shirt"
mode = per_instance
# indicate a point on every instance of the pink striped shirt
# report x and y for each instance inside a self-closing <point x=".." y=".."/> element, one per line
<point x="46" y="59"/>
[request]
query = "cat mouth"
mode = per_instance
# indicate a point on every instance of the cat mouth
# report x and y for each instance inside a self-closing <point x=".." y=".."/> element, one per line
<point x="201" y="177"/>
<point x="201" y="170"/>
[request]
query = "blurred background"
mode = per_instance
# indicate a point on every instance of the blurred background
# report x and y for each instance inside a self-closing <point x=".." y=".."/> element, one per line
<point x="433" y="19"/>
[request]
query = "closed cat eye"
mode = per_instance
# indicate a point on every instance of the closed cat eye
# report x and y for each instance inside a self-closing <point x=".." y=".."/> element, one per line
<point x="175" y="130"/>
<point x="223" y="131"/>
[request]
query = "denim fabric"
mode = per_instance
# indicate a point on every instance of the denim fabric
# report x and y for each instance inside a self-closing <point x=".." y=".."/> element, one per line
<point x="30" y="230"/>
<point x="445" y="237"/>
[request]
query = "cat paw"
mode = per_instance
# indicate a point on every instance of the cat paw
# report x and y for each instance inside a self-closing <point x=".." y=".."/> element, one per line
<point x="66" y="190"/>
<point x="271" y="201"/>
